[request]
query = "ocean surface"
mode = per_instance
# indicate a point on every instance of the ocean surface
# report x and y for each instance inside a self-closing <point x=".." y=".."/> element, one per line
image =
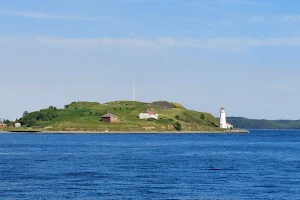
<point x="264" y="164"/>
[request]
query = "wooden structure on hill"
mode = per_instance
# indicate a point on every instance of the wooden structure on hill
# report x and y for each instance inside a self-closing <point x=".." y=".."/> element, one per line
<point x="3" y="126"/>
<point x="111" y="118"/>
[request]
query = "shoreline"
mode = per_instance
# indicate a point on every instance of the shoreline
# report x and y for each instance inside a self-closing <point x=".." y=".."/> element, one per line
<point x="129" y="132"/>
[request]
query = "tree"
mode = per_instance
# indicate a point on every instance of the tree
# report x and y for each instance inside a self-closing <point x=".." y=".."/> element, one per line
<point x="202" y="116"/>
<point x="25" y="113"/>
<point x="31" y="122"/>
<point x="52" y="108"/>
<point x="177" y="126"/>
<point x="8" y="122"/>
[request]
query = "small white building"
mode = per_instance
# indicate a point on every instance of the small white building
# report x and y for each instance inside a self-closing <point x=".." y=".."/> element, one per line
<point x="148" y="115"/>
<point x="229" y="126"/>
<point x="17" y="125"/>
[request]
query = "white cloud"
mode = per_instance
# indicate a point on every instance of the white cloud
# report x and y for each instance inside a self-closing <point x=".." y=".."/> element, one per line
<point x="275" y="18"/>
<point x="211" y="5"/>
<point x="245" y="2"/>
<point x="259" y="19"/>
<point x="283" y="87"/>
<point x="226" y="23"/>
<point x="40" y="15"/>
<point x="202" y="6"/>
<point x="191" y="19"/>
<point x="230" y="44"/>
<point x="291" y="18"/>
<point x="96" y="42"/>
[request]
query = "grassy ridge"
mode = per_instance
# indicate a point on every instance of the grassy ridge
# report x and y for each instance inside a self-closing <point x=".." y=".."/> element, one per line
<point x="85" y="116"/>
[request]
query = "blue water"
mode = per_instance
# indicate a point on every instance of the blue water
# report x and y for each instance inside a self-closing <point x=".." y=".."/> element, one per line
<point x="260" y="165"/>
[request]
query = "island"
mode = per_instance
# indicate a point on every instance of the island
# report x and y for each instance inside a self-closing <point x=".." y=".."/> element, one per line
<point x="119" y="117"/>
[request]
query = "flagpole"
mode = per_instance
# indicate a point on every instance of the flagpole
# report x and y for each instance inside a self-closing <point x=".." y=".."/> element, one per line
<point x="133" y="91"/>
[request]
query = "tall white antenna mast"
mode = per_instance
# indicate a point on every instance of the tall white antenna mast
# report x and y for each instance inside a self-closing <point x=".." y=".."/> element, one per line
<point x="133" y="90"/>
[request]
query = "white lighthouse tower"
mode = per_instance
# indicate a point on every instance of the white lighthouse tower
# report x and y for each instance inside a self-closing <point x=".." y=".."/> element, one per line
<point x="223" y="123"/>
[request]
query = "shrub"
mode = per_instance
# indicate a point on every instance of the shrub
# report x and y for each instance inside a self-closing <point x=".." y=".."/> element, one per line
<point x="52" y="108"/>
<point x="177" y="126"/>
<point x="202" y="116"/>
<point x="177" y="117"/>
<point x="214" y="124"/>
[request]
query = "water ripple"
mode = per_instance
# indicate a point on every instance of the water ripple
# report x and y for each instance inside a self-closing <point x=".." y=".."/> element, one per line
<point x="260" y="165"/>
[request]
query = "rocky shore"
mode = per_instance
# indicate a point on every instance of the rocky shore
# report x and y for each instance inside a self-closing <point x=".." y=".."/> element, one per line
<point x="237" y="131"/>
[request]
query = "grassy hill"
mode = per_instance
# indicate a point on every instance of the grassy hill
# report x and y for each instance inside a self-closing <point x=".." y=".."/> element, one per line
<point x="85" y="116"/>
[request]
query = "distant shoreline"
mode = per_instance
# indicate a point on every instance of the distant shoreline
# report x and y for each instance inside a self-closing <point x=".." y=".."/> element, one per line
<point x="129" y="132"/>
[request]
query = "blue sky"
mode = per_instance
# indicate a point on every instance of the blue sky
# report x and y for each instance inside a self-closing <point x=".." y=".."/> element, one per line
<point x="205" y="54"/>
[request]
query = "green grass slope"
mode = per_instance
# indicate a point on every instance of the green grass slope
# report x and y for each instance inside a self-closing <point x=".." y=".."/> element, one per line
<point x="85" y="116"/>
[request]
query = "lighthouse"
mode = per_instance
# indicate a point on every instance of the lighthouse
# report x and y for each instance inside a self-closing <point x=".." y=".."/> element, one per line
<point x="223" y="123"/>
